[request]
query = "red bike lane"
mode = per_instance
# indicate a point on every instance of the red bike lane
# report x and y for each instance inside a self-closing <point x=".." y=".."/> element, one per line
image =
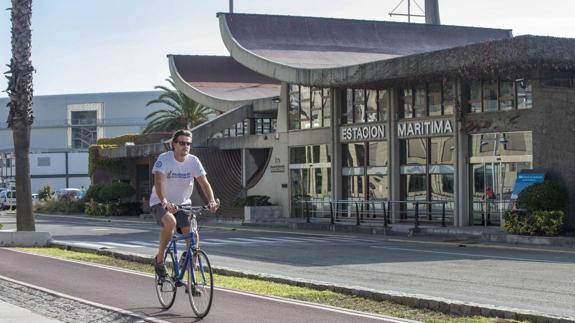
<point x="135" y="293"/>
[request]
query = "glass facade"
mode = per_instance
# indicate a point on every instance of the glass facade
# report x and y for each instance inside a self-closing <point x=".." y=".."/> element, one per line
<point x="309" y="107"/>
<point x="426" y="174"/>
<point x="496" y="159"/>
<point x="362" y="106"/>
<point x="431" y="99"/>
<point x="310" y="179"/>
<point x="497" y="95"/>
<point x="426" y="158"/>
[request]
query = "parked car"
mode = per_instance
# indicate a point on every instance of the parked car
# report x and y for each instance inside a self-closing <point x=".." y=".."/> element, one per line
<point x="72" y="193"/>
<point x="7" y="199"/>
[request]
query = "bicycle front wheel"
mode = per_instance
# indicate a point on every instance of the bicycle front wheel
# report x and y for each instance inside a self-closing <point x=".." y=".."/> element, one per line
<point x="200" y="284"/>
<point x="166" y="286"/>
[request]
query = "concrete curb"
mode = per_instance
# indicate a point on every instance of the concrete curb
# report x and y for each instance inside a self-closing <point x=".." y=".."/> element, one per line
<point x="413" y="300"/>
<point x="25" y="239"/>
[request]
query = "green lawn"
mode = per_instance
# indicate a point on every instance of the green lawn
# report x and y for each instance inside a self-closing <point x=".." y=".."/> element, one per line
<point x="267" y="288"/>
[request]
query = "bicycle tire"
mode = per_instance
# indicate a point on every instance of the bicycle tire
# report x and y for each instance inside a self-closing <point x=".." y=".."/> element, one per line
<point x="166" y="288"/>
<point x="201" y="292"/>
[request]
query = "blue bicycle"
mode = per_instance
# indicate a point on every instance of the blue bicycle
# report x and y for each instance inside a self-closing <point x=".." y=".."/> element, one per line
<point x="193" y="270"/>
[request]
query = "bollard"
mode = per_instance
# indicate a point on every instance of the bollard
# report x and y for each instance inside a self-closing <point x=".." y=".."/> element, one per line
<point x="416" y="215"/>
<point x="443" y="214"/>
<point x="332" y="219"/>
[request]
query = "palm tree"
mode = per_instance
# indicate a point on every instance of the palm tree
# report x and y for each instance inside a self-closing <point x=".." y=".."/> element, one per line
<point x="20" y="117"/>
<point x="182" y="112"/>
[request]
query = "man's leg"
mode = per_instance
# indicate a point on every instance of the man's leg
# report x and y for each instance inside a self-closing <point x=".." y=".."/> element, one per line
<point x="168" y="225"/>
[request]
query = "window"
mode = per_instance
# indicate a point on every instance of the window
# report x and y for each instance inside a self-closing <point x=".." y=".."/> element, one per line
<point x="371" y="106"/>
<point x="419" y="101"/>
<point x="326" y="103"/>
<point x="407" y="100"/>
<point x="84" y="129"/>
<point x="434" y="99"/>
<point x="316" y="107"/>
<point x="489" y="96"/>
<point x="43" y="161"/>
<point x="524" y="95"/>
<point x="359" y="106"/>
<point x="498" y="95"/>
<point x="384" y="102"/>
<point x="293" y="109"/>
<point x="365" y="106"/>
<point x="506" y="96"/>
<point x="353" y="155"/>
<point x="309" y="107"/>
<point x="448" y="98"/>
<point x="305" y="107"/>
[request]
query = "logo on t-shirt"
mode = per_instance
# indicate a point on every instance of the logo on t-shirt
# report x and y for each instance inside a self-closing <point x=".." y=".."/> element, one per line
<point x="172" y="174"/>
<point x="158" y="164"/>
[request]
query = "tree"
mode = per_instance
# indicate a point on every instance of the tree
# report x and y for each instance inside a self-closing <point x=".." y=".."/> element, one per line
<point x="182" y="112"/>
<point x="20" y="117"/>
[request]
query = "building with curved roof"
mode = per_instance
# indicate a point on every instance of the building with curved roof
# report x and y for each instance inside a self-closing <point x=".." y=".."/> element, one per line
<point x="372" y="120"/>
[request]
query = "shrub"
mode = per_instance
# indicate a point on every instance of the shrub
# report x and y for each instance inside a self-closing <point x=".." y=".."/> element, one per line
<point x="252" y="200"/>
<point x="45" y="193"/>
<point x="109" y="192"/>
<point x="546" y="196"/>
<point x="113" y="208"/>
<point x="60" y="206"/>
<point x="534" y="223"/>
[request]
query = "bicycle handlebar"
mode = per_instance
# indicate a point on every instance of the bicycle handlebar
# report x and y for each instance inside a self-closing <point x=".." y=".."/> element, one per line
<point x="196" y="209"/>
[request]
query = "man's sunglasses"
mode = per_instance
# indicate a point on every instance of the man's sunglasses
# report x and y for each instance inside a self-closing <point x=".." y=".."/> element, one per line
<point x="184" y="143"/>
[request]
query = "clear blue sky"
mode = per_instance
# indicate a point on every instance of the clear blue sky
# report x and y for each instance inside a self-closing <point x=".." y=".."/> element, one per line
<point x="82" y="46"/>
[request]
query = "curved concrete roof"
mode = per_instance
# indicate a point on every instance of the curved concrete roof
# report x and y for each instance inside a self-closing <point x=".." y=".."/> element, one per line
<point x="327" y="51"/>
<point x="219" y="82"/>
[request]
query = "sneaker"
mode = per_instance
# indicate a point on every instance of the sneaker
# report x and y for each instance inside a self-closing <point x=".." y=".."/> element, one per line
<point x="161" y="270"/>
<point x="195" y="292"/>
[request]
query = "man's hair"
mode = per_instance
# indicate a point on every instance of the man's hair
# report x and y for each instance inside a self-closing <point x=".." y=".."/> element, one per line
<point x="182" y="132"/>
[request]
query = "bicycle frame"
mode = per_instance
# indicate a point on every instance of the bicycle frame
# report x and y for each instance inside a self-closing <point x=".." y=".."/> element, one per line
<point x="191" y="249"/>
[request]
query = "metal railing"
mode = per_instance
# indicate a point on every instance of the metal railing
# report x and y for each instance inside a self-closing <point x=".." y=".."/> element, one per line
<point x="490" y="212"/>
<point x="374" y="212"/>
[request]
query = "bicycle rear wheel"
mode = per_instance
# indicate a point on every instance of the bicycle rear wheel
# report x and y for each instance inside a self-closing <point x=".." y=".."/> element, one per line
<point x="200" y="284"/>
<point x="166" y="287"/>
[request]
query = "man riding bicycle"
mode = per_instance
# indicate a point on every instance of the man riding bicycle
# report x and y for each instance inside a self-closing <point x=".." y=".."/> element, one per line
<point x="174" y="173"/>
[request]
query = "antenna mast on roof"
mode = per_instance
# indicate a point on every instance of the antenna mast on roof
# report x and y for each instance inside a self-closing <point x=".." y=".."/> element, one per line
<point x="408" y="14"/>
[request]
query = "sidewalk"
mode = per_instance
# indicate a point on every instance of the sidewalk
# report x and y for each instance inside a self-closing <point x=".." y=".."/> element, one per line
<point x="11" y="313"/>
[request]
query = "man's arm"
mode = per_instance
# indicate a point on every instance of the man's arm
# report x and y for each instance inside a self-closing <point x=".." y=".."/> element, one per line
<point x="207" y="189"/>
<point x="160" y="184"/>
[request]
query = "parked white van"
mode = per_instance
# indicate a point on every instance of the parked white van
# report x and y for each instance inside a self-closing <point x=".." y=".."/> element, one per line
<point x="7" y="200"/>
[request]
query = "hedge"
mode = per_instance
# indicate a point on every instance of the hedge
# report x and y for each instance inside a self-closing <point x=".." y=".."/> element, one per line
<point x="113" y="208"/>
<point x="548" y="223"/>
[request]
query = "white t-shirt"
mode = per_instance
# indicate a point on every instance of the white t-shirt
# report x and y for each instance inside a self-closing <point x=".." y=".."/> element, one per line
<point x="179" y="178"/>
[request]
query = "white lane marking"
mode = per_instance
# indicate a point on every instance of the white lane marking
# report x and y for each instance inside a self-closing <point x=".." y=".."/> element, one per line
<point x="462" y="254"/>
<point x="319" y="307"/>
<point x="81" y="300"/>
<point x="225" y="241"/>
<point x="116" y="244"/>
<point x="274" y="299"/>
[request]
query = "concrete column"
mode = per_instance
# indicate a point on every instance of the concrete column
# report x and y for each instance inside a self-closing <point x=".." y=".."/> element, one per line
<point x="461" y="176"/>
<point x="394" y="155"/>
<point x="336" y="106"/>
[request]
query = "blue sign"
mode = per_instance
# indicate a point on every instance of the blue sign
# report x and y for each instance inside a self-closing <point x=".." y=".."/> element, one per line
<point x="524" y="180"/>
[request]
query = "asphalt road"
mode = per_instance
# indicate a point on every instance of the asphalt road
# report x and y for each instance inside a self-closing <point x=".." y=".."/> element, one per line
<point x="542" y="281"/>
<point x="135" y="293"/>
